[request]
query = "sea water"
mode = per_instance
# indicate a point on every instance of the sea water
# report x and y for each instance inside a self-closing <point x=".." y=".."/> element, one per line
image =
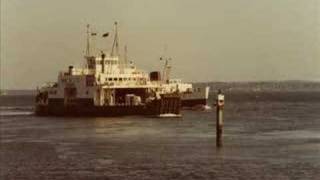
<point x="267" y="135"/>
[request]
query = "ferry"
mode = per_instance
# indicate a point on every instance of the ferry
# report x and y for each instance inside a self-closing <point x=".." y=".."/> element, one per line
<point x="109" y="85"/>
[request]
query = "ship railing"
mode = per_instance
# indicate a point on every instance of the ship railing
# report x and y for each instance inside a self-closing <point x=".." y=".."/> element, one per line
<point x="126" y="83"/>
<point x="136" y="85"/>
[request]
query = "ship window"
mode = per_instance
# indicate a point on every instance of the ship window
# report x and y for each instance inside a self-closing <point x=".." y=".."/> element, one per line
<point x="120" y="79"/>
<point x="124" y="79"/>
<point x="115" y="79"/>
<point x="110" y="79"/>
<point x="134" y="79"/>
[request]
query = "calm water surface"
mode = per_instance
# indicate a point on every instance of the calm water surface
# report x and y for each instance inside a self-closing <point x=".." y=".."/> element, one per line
<point x="266" y="136"/>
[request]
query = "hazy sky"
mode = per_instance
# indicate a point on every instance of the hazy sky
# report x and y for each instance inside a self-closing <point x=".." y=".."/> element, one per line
<point x="209" y="40"/>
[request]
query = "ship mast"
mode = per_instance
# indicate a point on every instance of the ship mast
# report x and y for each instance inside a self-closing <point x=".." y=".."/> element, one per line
<point x="166" y="70"/>
<point x="115" y="48"/>
<point x="125" y="56"/>
<point x="88" y="41"/>
<point x="115" y="45"/>
<point x="167" y="67"/>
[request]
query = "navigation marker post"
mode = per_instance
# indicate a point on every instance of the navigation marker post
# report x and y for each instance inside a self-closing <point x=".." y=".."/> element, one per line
<point x="219" y="115"/>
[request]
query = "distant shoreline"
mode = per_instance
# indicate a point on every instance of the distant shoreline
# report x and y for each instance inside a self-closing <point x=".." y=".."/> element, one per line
<point x="247" y="86"/>
<point x="262" y="86"/>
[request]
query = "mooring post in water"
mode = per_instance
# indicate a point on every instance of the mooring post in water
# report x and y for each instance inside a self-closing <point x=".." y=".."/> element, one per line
<point x="219" y="124"/>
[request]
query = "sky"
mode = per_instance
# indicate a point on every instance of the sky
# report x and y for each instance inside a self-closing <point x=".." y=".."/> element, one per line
<point x="208" y="40"/>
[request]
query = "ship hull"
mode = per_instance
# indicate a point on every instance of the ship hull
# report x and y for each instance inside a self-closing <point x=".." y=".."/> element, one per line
<point x="112" y="111"/>
<point x="109" y="111"/>
<point x="105" y="111"/>
<point x="169" y="104"/>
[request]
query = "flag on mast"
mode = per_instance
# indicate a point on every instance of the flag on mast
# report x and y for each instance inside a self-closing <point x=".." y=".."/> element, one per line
<point x="105" y="34"/>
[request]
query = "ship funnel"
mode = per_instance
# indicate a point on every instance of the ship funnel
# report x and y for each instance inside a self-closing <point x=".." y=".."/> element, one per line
<point x="70" y="70"/>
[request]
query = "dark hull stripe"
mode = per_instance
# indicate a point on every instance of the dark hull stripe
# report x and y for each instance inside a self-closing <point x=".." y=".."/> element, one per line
<point x="165" y="105"/>
<point x="89" y="102"/>
<point x="91" y="111"/>
<point x="77" y="101"/>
